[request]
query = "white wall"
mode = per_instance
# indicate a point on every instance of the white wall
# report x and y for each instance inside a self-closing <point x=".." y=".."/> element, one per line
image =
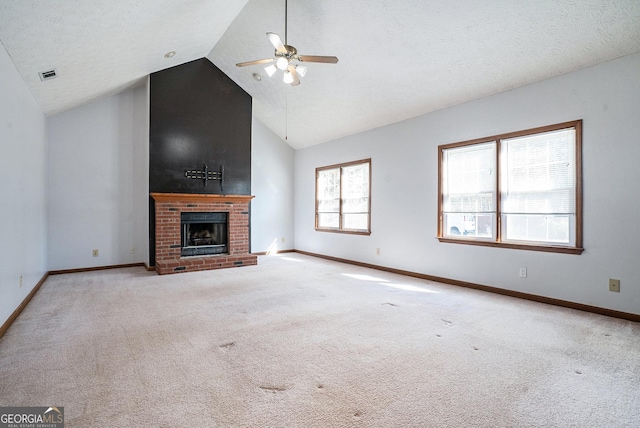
<point x="404" y="189"/>
<point x="23" y="170"/>
<point x="272" y="186"/>
<point x="98" y="182"/>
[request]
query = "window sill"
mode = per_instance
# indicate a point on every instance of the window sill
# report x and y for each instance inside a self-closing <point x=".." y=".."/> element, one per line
<point x="348" y="232"/>
<point x="530" y="247"/>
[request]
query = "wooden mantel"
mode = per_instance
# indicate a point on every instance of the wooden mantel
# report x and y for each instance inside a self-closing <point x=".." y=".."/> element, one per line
<point x="199" y="197"/>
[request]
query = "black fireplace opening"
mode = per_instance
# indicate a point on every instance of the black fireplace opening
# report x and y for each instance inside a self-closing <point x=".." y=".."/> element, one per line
<point x="204" y="233"/>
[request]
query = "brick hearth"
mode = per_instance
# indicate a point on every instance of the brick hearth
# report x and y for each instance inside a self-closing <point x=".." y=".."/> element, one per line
<point x="168" y="209"/>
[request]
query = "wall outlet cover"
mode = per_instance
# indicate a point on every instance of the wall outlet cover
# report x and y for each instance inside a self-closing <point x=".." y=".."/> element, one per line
<point x="614" y="285"/>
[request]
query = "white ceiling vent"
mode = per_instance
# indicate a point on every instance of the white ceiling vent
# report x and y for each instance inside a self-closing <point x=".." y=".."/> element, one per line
<point x="48" y="75"/>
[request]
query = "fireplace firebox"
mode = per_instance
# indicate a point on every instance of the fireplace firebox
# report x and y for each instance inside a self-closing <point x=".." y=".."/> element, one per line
<point x="203" y="233"/>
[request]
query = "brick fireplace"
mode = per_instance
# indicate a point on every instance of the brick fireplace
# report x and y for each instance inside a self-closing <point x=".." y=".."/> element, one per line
<point x="169" y="245"/>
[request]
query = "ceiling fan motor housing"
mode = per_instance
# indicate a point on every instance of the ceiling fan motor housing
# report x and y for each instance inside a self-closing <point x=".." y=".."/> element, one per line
<point x="291" y="53"/>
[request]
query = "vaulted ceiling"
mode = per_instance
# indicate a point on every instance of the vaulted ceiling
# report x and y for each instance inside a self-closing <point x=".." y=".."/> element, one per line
<point x="398" y="58"/>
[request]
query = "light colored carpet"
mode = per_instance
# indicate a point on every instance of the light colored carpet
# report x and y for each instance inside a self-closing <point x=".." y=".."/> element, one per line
<point x="303" y="342"/>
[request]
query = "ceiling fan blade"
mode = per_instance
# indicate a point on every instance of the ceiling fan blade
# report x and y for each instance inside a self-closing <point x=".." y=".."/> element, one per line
<point x="258" y="61"/>
<point x="276" y="41"/>
<point x="317" y="58"/>
<point x="294" y="74"/>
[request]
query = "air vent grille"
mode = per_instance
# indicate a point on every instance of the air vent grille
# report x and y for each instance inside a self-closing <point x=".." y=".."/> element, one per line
<point x="48" y="75"/>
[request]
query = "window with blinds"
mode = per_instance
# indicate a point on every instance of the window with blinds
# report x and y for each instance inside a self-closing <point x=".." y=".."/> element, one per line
<point x="518" y="190"/>
<point x="538" y="186"/>
<point x="328" y="198"/>
<point x="469" y="189"/>
<point x="343" y="197"/>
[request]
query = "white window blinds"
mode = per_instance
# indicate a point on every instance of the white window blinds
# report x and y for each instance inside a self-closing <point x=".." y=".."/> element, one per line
<point x="538" y="185"/>
<point x="469" y="190"/>
<point x="538" y="173"/>
<point x="328" y="198"/>
<point x="469" y="178"/>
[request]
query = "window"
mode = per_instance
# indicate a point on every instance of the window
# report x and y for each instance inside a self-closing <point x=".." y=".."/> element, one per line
<point x="343" y="201"/>
<point x="519" y="190"/>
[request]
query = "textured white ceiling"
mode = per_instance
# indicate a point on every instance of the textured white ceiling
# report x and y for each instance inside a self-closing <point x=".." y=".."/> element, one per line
<point x="403" y="58"/>
<point x="398" y="58"/>
<point x="100" y="47"/>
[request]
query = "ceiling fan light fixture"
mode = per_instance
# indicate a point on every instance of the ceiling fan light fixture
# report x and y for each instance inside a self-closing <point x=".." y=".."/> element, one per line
<point x="282" y="63"/>
<point x="301" y="69"/>
<point x="271" y="70"/>
<point x="287" y="78"/>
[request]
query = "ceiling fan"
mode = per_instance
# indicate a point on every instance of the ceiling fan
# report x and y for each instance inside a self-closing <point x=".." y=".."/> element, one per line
<point x="287" y="59"/>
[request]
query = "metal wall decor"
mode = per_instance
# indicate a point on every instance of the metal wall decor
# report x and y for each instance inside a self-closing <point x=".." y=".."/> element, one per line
<point x="205" y="175"/>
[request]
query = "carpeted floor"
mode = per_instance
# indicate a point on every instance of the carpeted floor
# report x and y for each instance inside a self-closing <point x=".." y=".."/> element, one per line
<point x="303" y="342"/>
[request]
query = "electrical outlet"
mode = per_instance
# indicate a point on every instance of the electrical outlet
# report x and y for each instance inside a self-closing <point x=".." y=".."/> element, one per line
<point x="283" y="239"/>
<point x="20" y="280"/>
<point x="523" y="272"/>
<point x="377" y="251"/>
<point x="95" y="253"/>
<point x="132" y="250"/>
<point x="614" y="285"/>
